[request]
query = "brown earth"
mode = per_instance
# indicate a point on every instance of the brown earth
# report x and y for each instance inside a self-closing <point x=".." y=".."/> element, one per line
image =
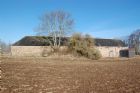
<point x="62" y="75"/>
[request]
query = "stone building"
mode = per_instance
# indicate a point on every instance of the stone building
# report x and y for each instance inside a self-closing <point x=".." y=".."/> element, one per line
<point x="35" y="45"/>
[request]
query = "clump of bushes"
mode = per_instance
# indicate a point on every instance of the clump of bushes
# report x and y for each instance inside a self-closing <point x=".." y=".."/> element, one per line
<point x="83" y="45"/>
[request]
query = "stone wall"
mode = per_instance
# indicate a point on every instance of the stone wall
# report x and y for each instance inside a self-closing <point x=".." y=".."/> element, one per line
<point x="110" y="51"/>
<point x="38" y="50"/>
<point x="27" y="50"/>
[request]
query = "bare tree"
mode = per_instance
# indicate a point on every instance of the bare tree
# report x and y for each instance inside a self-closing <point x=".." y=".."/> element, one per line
<point x="56" y="24"/>
<point x="134" y="41"/>
<point x="4" y="48"/>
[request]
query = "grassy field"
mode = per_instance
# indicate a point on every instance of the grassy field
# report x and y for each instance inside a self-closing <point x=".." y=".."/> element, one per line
<point x="56" y="75"/>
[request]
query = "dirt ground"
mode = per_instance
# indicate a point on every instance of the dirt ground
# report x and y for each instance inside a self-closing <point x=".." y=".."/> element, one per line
<point x="57" y="75"/>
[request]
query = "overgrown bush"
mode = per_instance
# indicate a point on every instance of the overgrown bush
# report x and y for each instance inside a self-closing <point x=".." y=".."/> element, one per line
<point x="83" y="46"/>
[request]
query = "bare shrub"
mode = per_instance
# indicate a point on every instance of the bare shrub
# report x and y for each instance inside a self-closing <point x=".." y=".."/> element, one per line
<point x="83" y="46"/>
<point x="93" y="54"/>
<point x="48" y="51"/>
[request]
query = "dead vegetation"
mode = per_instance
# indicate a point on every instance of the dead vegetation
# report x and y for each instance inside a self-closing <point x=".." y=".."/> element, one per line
<point x="57" y="75"/>
<point x="83" y="45"/>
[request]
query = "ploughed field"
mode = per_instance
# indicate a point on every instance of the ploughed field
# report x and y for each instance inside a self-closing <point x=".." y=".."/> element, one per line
<point x="57" y="75"/>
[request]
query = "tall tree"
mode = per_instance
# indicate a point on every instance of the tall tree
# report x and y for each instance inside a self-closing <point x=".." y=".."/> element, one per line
<point x="134" y="41"/>
<point x="56" y="24"/>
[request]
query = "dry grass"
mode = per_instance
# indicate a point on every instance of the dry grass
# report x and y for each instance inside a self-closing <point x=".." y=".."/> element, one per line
<point x="57" y="75"/>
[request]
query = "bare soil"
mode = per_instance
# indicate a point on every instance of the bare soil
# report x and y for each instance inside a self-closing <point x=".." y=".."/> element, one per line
<point x="62" y="75"/>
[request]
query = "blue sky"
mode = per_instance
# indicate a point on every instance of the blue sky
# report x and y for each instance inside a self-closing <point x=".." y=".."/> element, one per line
<point x="99" y="18"/>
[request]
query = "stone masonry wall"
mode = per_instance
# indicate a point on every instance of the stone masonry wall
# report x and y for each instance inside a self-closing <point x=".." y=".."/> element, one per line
<point x="26" y="50"/>
<point x="38" y="50"/>
<point x="110" y="51"/>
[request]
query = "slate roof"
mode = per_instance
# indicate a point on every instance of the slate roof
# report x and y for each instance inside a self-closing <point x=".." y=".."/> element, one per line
<point x="109" y="42"/>
<point x="43" y="41"/>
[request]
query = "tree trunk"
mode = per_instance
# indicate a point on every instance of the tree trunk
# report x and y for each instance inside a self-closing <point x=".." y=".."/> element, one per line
<point x="55" y="40"/>
<point x="59" y="41"/>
